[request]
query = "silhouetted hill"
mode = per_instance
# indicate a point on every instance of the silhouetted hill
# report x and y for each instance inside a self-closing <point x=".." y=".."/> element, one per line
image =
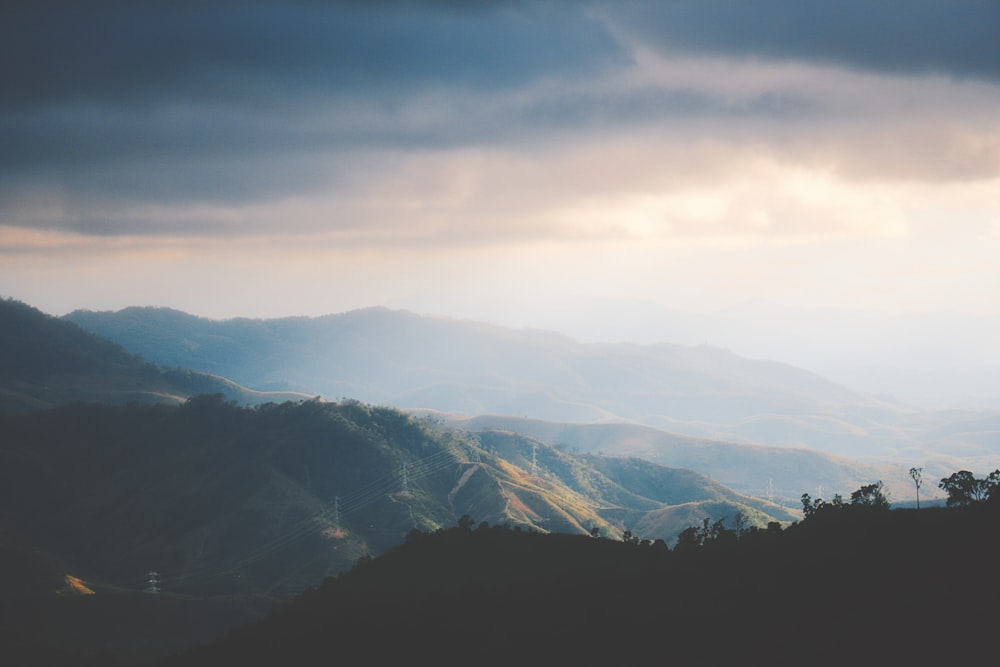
<point x="865" y="588"/>
<point x="45" y="361"/>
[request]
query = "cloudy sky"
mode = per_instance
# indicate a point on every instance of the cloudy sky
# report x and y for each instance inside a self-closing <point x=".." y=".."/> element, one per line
<point x="815" y="182"/>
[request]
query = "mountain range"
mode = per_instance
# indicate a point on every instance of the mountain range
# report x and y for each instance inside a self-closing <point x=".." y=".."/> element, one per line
<point x="150" y="503"/>
<point x="119" y="480"/>
<point x="465" y="369"/>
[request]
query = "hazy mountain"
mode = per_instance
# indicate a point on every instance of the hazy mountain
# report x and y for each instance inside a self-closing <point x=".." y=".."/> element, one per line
<point x="45" y="361"/>
<point x="471" y="368"/>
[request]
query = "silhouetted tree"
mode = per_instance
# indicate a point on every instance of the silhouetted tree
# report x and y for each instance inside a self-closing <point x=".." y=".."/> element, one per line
<point x="689" y="538"/>
<point x="812" y="507"/>
<point x="917" y="476"/>
<point x="964" y="488"/>
<point x="742" y="521"/>
<point x="993" y="484"/>
<point x="871" y="495"/>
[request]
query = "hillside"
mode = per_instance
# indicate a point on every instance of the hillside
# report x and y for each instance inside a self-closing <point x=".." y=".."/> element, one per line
<point x="219" y="498"/>
<point x="471" y="368"/>
<point x="45" y="361"/>
<point x="866" y="588"/>
<point x="210" y="500"/>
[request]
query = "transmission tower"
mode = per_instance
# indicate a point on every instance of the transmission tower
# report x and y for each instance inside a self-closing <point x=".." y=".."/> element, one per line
<point x="153" y="583"/>
<point x="534" y="460"/>
<point x="405" y="482"/>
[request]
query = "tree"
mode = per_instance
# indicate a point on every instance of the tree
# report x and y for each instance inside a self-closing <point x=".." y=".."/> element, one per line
<point x="871" y="495"/>
<point x="917" y="476"/>
<point x="963" y="488"/>
<point x="688" y="538"/>
<point x="993" y="483"/>
<point x="742" y="521"/>
<point x="812" y="507"/>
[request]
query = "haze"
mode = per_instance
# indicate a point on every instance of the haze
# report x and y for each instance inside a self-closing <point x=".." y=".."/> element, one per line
<point x="815" y="183"/>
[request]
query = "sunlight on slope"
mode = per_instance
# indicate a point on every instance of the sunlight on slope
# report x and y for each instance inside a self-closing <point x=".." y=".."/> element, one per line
<point x="76" y="585"/>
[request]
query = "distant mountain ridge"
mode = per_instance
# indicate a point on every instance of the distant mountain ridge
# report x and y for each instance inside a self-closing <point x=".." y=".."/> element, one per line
<point x="471" y="368"/>
<point x="46" y="361"/>
<point x="408" y="360"/>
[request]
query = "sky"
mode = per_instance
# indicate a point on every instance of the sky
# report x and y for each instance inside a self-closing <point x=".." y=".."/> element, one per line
<point x="816" y="183"/>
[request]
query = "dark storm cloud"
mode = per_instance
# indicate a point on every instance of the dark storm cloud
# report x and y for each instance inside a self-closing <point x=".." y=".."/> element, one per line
<point x="144" y="52"/>
<point x="145" y="99"/>
<point x="955" y="37"/>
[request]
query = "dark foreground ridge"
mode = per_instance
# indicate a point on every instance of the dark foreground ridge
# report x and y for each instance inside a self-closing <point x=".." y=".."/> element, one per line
<point x="858" y="587"/>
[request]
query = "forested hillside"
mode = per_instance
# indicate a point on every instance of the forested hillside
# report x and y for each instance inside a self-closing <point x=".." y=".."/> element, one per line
<point x="217" y="497"/>
<point x="211" y="499"/>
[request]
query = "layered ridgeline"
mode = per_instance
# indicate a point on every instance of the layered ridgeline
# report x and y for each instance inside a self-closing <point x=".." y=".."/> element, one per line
<point x="469" y="368"/>
<point x="45" y="361"/>
<point x="466" y="368"/>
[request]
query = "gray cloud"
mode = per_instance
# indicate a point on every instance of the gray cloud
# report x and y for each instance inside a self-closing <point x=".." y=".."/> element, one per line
<point x="108" y="106"/>
<point x="147" y="100"/>
<point x="135" y="54"/>
<point x="959" y="38"/>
